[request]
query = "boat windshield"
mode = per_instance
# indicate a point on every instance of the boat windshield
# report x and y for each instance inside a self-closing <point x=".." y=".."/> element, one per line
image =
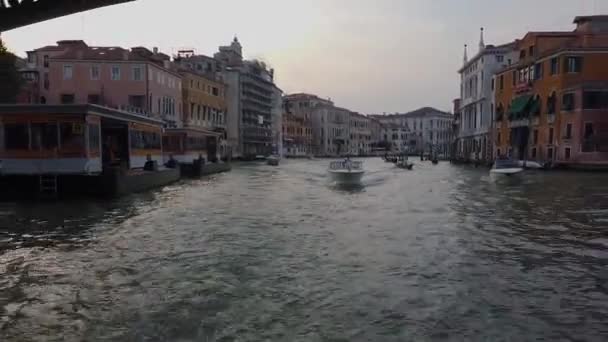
<point x="506" y="164"/>
<point x="346" y="165"/>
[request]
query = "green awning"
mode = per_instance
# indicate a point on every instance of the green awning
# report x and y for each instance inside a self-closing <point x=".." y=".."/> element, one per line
<point x="519" y="104"/>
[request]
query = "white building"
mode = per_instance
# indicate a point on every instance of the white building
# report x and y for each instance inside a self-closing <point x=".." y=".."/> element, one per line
<point x="424" y="130"/>
<point x="360" y="135"/>
<point x="474" y="141"/>
<point x="331" y="130"/>
<point x="253" y="101"/>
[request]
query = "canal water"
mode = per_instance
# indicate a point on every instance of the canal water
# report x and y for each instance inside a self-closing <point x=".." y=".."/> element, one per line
<point x="277" y="254"/>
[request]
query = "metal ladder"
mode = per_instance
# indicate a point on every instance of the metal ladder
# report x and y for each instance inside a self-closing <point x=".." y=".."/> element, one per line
<point x="48" y="185"/>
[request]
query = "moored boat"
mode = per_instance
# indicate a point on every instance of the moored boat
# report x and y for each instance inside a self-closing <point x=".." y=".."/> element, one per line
<point x="346" y="172"/>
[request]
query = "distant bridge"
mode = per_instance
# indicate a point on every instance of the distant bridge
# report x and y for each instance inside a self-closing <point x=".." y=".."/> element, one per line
<point x="17" y="13"/>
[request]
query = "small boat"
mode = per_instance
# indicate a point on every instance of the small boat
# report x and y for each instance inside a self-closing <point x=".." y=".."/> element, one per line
<point x="506" y="167"/>
<point x="273" y="160"/>
<point x="346" y="172"/>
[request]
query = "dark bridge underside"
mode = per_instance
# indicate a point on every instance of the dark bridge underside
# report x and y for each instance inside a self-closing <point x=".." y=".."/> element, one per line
<point x="17" y="13"/>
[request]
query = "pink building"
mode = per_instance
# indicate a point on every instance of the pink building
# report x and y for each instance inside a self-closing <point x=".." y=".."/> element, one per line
<point x="136" y="80"/>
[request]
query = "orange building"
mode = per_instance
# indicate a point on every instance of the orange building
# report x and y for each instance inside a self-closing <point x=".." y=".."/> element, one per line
<point x="552" y="105"/>
<point x="297" y="123"/>
<point x="297" y="135"/>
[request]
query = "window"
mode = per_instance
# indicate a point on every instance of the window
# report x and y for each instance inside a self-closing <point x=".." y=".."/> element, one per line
<point x="574" y="64"/>
<point x="535" y="137"/>
<point x="94" y="137"/>
<point x="500" y="58"/>
<point x="93" y="99"/>
<point x="522" y="54"/>
<point x="68" y="72"/>
<point x="568" y="131"/>
<point x="501" y="84"/>
<point x="45" y="61"/>
<point x="537" y="106"/>
<point x="533" y="154"/>
<point x="492" y="84"/>
<point x="145" y="140"/>
<point x="588" y="130"/>
<point x="46" y="81"/>
<point x="499" y="139"/>
<point x="216" y="91"/>
<point x="531" y="51"/>
<point x="595" y="99"/>
<point x="538" y="71"/>
<point x="44" y="136"/>
<point x="550" y="153"/>
<point x="554" y="66"/>
<point x="550" y="142"/>
<point x="551" y="101"/>
<point x="67" y="98"/>
<point x="94" y="72"/>
<point x="115" y="76"/>
<point x="150" y="75"/>
<point x="72" y="136"/>
<point x="137" y="73"/>
<point x="568" y="102"/>
<point x="16" y="137"/>
<point x="567" y="153"/>
<point x="514" y="77"/>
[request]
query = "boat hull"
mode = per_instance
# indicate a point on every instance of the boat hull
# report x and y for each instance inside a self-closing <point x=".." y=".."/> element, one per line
<point x="507" y="172"/>
<point x="346" y="177"/>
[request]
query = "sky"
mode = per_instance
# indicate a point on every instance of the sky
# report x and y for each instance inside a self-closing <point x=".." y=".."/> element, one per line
<point x="370" y="56"/>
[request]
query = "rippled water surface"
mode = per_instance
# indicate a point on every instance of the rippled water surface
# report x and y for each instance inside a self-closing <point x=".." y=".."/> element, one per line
<point x="278" y="254"/>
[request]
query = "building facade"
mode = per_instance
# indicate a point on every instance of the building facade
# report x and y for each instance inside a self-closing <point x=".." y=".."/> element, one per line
<point x="298" y="115"/>
<point x="474" y="141"/>
<point x="552" y="106"/>
<point x="361" y="143"/>
<point x="136" y="80"/>
<point x="425" y="130"/>
<point x="331" y="130"/>
<point x="253" y="102"/>
<point x="205" y="106"/>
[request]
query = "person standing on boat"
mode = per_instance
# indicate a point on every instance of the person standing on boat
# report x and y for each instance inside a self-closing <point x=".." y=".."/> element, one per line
<point x="347" y="163"/>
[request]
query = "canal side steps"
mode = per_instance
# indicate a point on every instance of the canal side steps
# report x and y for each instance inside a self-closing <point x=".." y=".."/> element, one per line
<point x="48" y="185"/>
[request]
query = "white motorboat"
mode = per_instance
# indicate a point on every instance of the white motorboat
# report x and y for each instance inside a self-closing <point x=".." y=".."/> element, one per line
<point x="530" y="164"/>
<point x="506" y="167"/>
<point x="346" y="172"/>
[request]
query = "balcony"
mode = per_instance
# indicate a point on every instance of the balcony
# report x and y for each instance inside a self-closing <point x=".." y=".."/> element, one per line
<point x="524" y="122"/>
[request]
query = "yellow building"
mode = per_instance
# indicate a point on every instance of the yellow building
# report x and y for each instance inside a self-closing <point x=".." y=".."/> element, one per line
<point x="205" y="105"/>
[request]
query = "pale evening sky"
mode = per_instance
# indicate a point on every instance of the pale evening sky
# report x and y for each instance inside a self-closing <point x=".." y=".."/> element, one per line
<point x="370" y="56"/>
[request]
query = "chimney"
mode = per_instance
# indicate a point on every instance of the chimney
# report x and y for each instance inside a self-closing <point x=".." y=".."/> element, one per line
<point x="155" y="50"/>
<point x="125" y="55"/>
<point x="167" y="64"/>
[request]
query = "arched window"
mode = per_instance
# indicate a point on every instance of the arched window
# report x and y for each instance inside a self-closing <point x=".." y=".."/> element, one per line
<point x="551" y="101"/>
<point x="537" y="106"/>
